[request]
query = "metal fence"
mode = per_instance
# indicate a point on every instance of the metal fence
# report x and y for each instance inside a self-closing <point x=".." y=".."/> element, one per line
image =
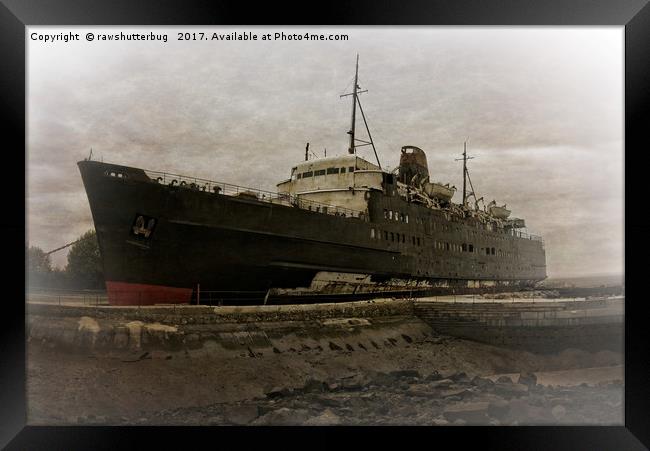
<point x="143" y="297"/>
<point x="233" y="298"/>
<point x="68" y="297"/>
<point x="227" y="189"/>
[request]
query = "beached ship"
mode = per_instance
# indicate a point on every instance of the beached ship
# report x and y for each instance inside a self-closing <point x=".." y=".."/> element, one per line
<point x="338" y="228"/>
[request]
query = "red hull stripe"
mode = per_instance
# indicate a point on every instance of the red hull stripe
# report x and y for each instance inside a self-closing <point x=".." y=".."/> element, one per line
<point x="122" y="293"/>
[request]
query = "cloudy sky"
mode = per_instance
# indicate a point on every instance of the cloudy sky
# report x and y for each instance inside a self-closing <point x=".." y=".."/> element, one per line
<point x="542" y="107"/>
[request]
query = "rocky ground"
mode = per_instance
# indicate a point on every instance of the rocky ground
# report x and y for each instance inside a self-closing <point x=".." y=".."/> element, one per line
<point x="407" y="398"/>
<point x="406" y="380"/>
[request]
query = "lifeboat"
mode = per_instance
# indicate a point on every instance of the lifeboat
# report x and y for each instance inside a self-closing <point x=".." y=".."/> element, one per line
<point x="499" y="212"/>
<point x="439" y="191"/>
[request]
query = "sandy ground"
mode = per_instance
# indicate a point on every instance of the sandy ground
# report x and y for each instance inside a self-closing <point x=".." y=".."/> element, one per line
<point x="426" y="380"/>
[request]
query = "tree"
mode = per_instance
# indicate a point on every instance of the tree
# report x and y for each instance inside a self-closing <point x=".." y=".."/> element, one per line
<point x="36" y="260"/>
<point x="84" y="268"/>
<point x="38" y="266"/>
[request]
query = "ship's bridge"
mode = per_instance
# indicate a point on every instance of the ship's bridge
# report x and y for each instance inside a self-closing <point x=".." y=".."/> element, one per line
<point x="339" y="181"/>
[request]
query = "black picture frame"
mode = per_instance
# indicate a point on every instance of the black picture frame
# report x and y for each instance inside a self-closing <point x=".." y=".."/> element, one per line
<point x="634" y="15"/>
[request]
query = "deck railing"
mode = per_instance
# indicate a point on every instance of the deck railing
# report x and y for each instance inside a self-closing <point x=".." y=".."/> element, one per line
<point x="227" y="189"/>
<point x="527" y="236"/>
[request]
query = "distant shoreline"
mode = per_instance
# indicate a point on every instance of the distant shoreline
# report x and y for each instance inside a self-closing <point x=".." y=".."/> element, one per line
<point x="584" y="281"/>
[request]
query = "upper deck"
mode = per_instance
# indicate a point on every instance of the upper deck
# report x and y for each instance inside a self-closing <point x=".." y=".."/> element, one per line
<point x="335" y="180"/>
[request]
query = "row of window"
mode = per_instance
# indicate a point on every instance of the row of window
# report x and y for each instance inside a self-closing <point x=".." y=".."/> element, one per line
<point x="465" y="247"/>
<point x="396" y="216"/>
<point x="416" y="241"/>
<point x="401" y="217"/>
<point x="320" y="172"/>
<point x="394" y="237"/>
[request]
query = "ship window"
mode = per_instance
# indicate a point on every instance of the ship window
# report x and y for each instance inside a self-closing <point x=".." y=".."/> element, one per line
<point x="492" y="251"/>
<point x="307" y="174"/>
<point x="372" y="233"/>
<point x="392" y="236"/>
<point x="385" y="214"/>
<point x="487" y="251"/>
<point x="471" y="248"/>
<point x="403" y="238"/>
<point x="413" y="239"/>
<point x="464" y="247"/>
<point x="390" y="214"/>
<point x="342" y="170"/>
<point x="299" y="176"/>
<point x="447" y="246"/>
<point x="351" y="169"/>
<point x="406" y="219"/>
<point x="418" y="241"/>
<point x="385" y="235"/>
<point x="319" y="172"/>
<point x="397" y="216"/>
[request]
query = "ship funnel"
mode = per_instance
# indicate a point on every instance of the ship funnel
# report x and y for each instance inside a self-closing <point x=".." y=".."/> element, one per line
<point x="413" y="166"/>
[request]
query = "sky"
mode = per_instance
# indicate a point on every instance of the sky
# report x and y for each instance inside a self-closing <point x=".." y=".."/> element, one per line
<point x="541" y="109"/>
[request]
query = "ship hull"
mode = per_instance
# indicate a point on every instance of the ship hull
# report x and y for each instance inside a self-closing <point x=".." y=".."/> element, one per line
<point x="171" y="244"/>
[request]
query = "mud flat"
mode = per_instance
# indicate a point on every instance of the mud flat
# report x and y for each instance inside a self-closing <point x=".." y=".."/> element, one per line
<point x="370" y="362"/>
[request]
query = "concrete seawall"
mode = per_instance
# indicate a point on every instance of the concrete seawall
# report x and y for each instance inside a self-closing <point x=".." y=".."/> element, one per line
<point x="539" y="326"/>
<point x="326" y="326"/>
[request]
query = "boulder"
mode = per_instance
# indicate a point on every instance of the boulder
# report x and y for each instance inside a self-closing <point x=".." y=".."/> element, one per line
<point x="315" y="386"/>
<point x="440" y="422"/>
<point x="456" y="392"/>
<point x="558" y="412"/>
<point x="278" y="392"/>
<point x="443" y="383"/>
<point x="529" y="379"/>
<point x="400" y="374"/>
<point x="434" y="376"/>
<point x="461" y="378"/>
<point x="282" y="417"/>
<point x="482" y="382"/>
<point x="510" y="390"/>
<point x="422" y="390"/>
<point x="326" y="418"/>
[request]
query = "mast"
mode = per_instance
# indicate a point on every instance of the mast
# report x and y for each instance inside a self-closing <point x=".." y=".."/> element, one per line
<point x="351" y="149"/>
<point x="464" y="173"/>
<point x="355" y="101"/>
